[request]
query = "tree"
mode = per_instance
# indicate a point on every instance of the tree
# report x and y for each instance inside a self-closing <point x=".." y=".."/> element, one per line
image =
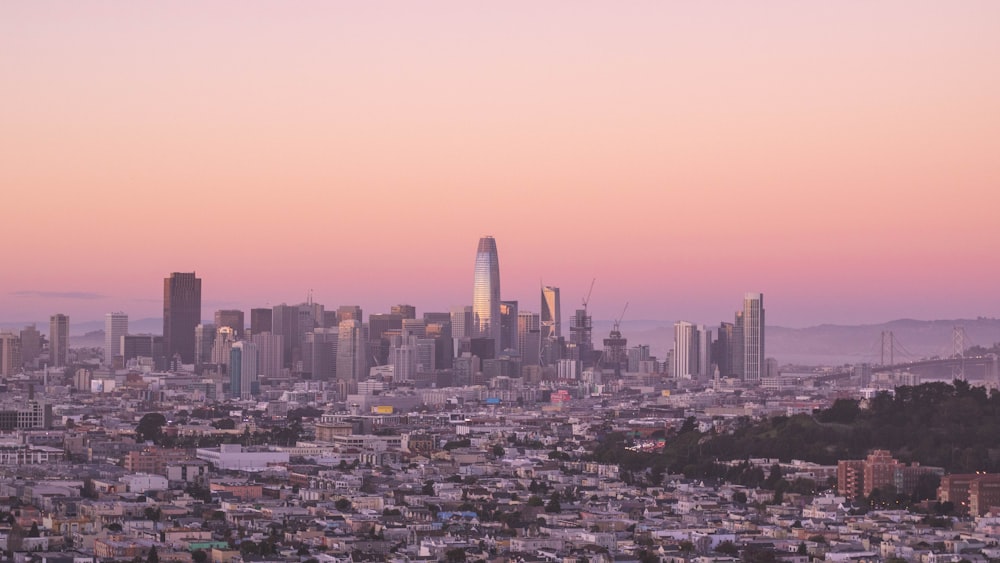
<point x="498" y="450"/>
<point x="199" y="556"/>
<point x="554" y="505"/>
<point x="152" y="556"/>
<point x="343" y="504"/>
<point x="150" y="427"/>
<point x="535" y="500"/>
<point x="34" y="531"/>
<point x="727" y="548"/>
<point x="456" y="555"/>
<point x="224" y="424"/>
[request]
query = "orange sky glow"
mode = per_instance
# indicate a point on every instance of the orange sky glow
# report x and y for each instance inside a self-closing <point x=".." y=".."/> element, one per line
<point x="842" y="158"/>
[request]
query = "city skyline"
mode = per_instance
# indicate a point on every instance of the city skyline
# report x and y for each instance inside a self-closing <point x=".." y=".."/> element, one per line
<point x="840" y="159"/>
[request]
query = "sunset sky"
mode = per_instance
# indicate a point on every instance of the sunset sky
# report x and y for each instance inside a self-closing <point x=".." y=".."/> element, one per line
<point x="843" y="158"/>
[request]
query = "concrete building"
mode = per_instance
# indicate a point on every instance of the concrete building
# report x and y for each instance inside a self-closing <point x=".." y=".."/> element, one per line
<point x="115" y="327"/>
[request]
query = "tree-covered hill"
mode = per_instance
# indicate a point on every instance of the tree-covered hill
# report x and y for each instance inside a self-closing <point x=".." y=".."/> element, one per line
<point x="956" y="427"/>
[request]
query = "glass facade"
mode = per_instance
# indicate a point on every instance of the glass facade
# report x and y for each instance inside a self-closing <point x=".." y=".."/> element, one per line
<point x="486" y="292"/>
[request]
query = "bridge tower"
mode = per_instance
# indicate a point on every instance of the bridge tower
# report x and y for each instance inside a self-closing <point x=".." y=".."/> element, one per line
<point x="958" y="340"/>
<point x="888" y="345"/>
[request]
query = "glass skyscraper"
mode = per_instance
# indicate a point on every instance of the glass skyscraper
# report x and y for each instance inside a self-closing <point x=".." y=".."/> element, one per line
<point x="486" y="293"/>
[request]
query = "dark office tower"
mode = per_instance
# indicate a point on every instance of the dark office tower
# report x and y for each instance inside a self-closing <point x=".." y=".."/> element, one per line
<point x="31" y="344"/>
<point x="331" y="319"/>
<point x="529" y="340"/>
<point x="233" y="319"/>
<point x="444" y="348"/>
<point x="319" y="356"/>
<point x="378" y="326"/>
<point x="405" y="311"/>
<point x="738" y="345"/>
<point x="260" y="320"/>
<point x="722" y="349"/>
<point x="285" y="323"/>
<point x="181" y="314"/>
<point x="508" y="325"/>
<point x="431" y="317"/>
<point x="59" y="340"/>
<point x="349" y="313"/>
<point x="581" y="335"/>
<point x="615" y="354"/>
<point x="753" y="337"/>
<point x="486" y="293"/>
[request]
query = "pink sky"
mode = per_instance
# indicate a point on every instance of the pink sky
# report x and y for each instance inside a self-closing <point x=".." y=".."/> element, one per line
<point x="843" y="158"/>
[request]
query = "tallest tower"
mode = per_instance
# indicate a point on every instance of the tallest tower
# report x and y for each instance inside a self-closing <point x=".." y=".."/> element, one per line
<point x="181" y="314"/>
<point x="486" y="292"/>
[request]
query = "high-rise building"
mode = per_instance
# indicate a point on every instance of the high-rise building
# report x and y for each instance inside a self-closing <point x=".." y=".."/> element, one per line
<point x="486" y="293"/>
<point x="753" y="337"/>
<point x="508" y="325"/>
<point x="319" y="356"/>
<point x="115" y="327"/>
<point x="462" y="320"/>
<point x="285" y="323"/>
<point x="224" y="339"/>
<point x="260" y="320"/>
<point x="551" y="327"/>
<point x="204" y="340"/>
<point x="31" y="344"/>
<point x="59" y="340"/>
<point x="233" y="318"/>
<point x="352" y="354"/>
<point x="405" y="311"/>
<point x="722" y="349"/>
<point x="350" y="313"/>
<point x="685" y="350"/>
<point x="581" y="335"/>
<point x="145" y="346"/>
<point x="551" y="316"/>
<point x="181" y="314"/>
<point x="10" y="353"/>
<point x="243" y="382"/>
<point x="270" y="353"/>
<point x="529" y="339"/>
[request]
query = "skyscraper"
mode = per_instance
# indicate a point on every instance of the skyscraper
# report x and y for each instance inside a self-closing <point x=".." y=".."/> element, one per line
<point x="529" y="338"/>
<point x="181" y="314"/>
<point x="115" y="327"/>
<point x="753" y="337"/>
<point x="352" y="353"/>
<point x="551" y="327"/>
<point x="31" y="344"/>
<point x="59" y="340"/>
<point x="685" y="350"/>
<point x="243" y="370"/>
<point x="10" y="353"/>
<point x="508" y="326"/>
<point x="551" y="323"/>
<point x="486" y="293"/>
<point x="233" y="318"/>
<point x="260" y="320"/>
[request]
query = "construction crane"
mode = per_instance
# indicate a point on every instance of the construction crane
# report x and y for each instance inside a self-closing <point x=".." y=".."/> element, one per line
<point x="620" y="317"/>
<point x="586" y="300"/>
